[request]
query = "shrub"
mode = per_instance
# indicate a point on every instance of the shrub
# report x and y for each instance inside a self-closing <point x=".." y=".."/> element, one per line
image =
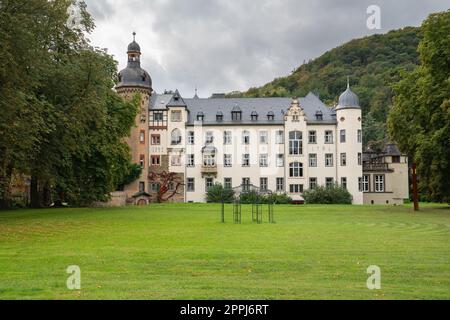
<point x="216" y="192"/>
<point x="327" y="195"/>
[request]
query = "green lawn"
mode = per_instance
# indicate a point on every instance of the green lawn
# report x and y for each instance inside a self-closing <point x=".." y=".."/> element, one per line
<point x="183" y="252"/>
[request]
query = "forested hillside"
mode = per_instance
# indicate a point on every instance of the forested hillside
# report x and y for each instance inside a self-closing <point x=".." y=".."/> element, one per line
<point x="373" y="64"/>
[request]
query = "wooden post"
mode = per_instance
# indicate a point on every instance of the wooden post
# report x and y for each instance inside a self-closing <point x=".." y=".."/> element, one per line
<point x="415" y="193"/>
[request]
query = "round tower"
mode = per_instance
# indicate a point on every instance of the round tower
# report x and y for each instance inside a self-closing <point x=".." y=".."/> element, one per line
<point x="135" y="80"/>
<point x="349" y="143"/>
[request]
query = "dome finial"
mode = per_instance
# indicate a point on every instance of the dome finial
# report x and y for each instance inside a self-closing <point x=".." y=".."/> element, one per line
<point x="134" y="35"/>
<point x="348" y="82"/>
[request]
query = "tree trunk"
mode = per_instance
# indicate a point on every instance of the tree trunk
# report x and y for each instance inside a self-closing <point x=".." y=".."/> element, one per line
<point x="5" y="200"/>
<point x="34" y="192"/>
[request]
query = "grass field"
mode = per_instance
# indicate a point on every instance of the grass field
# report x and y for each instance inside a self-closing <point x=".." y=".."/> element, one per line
<point x="182" y="251"/>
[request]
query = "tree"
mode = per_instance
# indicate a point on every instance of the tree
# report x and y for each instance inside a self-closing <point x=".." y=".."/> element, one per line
<point x="420" y="118"/>
<point x="169" y="183"/>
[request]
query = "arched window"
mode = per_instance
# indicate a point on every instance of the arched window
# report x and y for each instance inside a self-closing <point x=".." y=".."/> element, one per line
<point x="296" y="170"/>
<point x="245" y="137"/>
<point x="209" y="156"/>
<point x="295" y="143"/>
<point x="176" y="137"/>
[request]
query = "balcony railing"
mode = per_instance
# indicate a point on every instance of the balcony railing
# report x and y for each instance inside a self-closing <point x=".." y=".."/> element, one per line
<point x="209" y="170"/>
<point x="379" y="167"/>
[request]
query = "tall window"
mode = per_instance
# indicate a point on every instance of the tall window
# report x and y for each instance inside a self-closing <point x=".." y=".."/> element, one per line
<point x="312" y="137"/>
<point x="190" y="161"/>
<point x="280" y="184"/>
<point x="228" y="183"/>
<point x="359" y="158"/>
<point x="246" y="137"/>
<point x="296" y="170"/>
<point x="295" y="143"/>
<point x="296" y="188"/>
<point x="191" y="137"/>
<point x="280" y="160"/>
<point x="364" y="183"/>
<point x="263" y="160"/>
<point x="312" y="183"/>
<point x="342" y="135"/>
<point x="142" y="160"/>
<point x="190" y="185"/>
<point x="175" y="160"/>
<point x="158" y="116"/>
<point x="344" y="183"/>
<point x="329" y="182"/>
<point x="360" y="136"/>
<point x="209" y="159"/>
<point x="141" y="186"/>
<point x="142" y="137"/>
<point x="156" y="139"/>
<point x="379" y="183"/>
<point x="156" y="160"/>
<point x="328" y="160"/>
<point x="175" y="116"/>
<point x="246" y="160"/>
<point x="176" y="137"/>
<point x="227" y="162"/>
<point x="246" y="184"/>
<point x="343" y="159"/>
<point x="209" y="183"/>
<point x="313" y="160"/>
<point x="263" y="137"/>
<point x="263" y="184"/>
<point x="279" y="137"/>
<point x="328" y="136"/>
<point x="227" y="139"/>
<point x="209" y="138"/>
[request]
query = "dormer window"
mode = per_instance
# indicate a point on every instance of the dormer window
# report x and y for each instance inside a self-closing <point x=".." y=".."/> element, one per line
<point x="319" y="115"/>
<point x="254" y="116"/>
<point x="200" y="116"/>
<point x="219" y="116"/>
<point x="236" y="114"/>
<point x="271" y="116"/>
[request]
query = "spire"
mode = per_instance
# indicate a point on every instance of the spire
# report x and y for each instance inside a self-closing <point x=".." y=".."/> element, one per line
<point x="348" y="82"/>
<point x="134" y="35"/>
<point x="196" y="91"/>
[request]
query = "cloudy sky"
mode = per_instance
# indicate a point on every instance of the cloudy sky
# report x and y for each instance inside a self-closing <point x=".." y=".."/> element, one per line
<point x="227" y="45"/>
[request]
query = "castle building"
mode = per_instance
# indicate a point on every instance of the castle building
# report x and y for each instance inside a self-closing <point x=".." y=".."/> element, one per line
<point x="285" y="145"/>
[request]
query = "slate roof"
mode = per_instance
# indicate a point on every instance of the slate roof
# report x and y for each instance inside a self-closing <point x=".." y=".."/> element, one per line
<point x="311" y="104"/>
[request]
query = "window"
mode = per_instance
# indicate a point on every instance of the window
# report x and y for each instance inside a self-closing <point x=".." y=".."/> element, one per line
<point x="155" y="187"/>
<point x="176" y="137"/>
<point x="343" y="159"/>
<point x="279" y="137"/>
<point x="175" y="160"/>
<point x="209" y="138"/>
<point x="263" y="137"/>
<point x="263" y="184"/>
<point x="141" y="186"/>
<point x="342" y="136"/>
<point x="280" y="160"/>
<point x="246" y="137"/>
<point x="254" y="116"/>
<point x="175" y="116"/>
<point x="271" y="116"/>
<point x="236" y="114"/>
<point x="190" y="162"/>
<point x="227" y="139"/>
<point x="379" y="183"/>
<point x="156" y="139"/>
<point x="313" y="160"/>
<point x="158" y="116"/>
<point x="227" y="183"/>
<point x="344" y="183"/>
<point x="395" y="159"/>
<point x="319" y="115"/>
<point x="312" y="137"/>
<point x="142" y="137"/>
<point x="156" y="160"/>
<point x="328" y="160"/>
<point x="171" y="186"/>
<point x="296" y="170"/>
<point x="209" y="182"/>
<point x="219" y="117"/>
<point x="295" y="143"/>
<point x="280" y="184"/>
<point x="364" y="183"/>
<point x="209" y="160"/>
<point x="296" y="188"/>
<point x="328" y="136"/>
<point x="329" y="182"/>
<point x="142" y="160"/>
<point x="295" y="118"/>
<point x="191" y="137"/>
<point x="359" y="158"/>
<point x="263" y="160"/>
<point x="312" y="183"/>
<point x="190" y="185"/>
<point x="227" y="160"/>
<point x="359" y="136"/>
<point x="246" y="184"/>
<point x="246" y="160"/>
<point x="200" y="116"/>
